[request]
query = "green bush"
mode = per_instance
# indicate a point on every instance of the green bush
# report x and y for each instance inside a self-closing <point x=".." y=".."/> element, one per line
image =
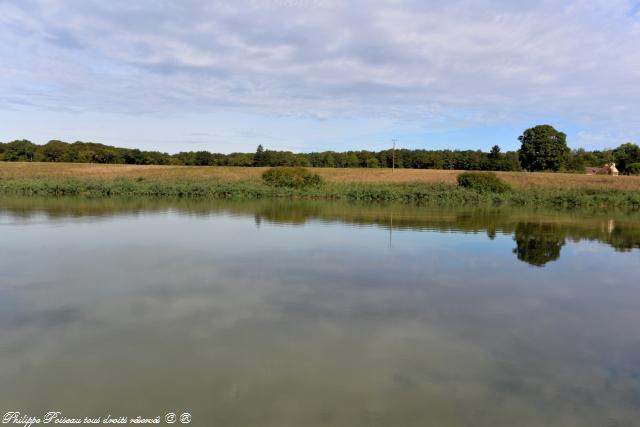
<point x="291" y="177"/>
<point x="633" y="169"/>
<point x="483" y="182"/>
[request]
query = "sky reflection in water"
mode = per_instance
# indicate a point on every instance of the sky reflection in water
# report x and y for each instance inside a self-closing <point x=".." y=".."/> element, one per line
<point x="283" y="314"/>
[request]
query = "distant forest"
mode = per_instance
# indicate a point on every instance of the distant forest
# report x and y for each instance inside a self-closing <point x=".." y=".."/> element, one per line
<point x="90" y="152"/>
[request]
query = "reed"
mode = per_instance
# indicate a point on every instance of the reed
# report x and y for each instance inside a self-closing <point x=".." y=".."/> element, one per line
<point x="410" y="192"/>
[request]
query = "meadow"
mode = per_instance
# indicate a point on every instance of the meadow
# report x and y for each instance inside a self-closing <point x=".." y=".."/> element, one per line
<point x="427" y="187"/>
<point x="518" y="180"/>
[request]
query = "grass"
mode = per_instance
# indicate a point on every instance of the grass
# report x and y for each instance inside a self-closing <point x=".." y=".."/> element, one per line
<point x="415" y="193"/>
<point x="48" y="179"/>
<point x="330" y="175"/>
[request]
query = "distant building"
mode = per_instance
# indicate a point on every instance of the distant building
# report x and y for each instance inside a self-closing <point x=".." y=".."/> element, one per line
<point x="613" y="170"/>
<point x="608" y="169"/>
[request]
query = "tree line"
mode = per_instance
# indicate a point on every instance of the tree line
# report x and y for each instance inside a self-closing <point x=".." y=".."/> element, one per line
<point x="543" y="148"/>
<point x="90" y="152"/>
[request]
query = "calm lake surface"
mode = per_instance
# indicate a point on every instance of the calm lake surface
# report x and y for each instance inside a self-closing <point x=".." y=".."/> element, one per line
<point x="319" y="314"/>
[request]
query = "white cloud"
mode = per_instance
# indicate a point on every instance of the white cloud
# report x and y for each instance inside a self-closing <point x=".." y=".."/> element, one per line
<point x="452" y="63"/>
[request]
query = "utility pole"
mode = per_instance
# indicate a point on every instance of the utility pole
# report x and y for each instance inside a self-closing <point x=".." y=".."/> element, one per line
<point x="393" y="157"/>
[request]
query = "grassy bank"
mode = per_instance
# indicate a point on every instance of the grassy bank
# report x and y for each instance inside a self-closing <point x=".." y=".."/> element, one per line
<point x="426" y="187"/>
<point x="440" y="194"/>
<point x="171" y="174"/>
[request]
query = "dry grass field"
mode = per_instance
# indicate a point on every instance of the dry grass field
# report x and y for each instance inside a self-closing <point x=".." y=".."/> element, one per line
<point x="169" y="173"/>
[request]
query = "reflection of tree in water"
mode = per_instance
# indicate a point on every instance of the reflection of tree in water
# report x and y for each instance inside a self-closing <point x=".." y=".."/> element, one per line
<point x="537" y="244"/>
<point x="286" y="214"/>
<point x="624" y="239"/>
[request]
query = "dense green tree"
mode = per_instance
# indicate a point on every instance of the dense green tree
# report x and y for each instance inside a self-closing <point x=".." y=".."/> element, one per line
<point x="351" y="161"/>
<point x="52" y="151"/>
<point x="133" y="157"/>
<point x="185" y="158"/>
<point x="203" y="158"/>
<point x="235" y="159"/>
<point x="372" y="162"/>
<point x="328" y="160"/>
<point x="581" y="157"/>
<point x="20" y="151"/>
<point x="511" y="162"/>
<point x="543" y="149"/>
<point x="258" y="158"/>
<point x="633" y="169"/>
<point x="625" y="155"/>
<point x="575" y="161"/>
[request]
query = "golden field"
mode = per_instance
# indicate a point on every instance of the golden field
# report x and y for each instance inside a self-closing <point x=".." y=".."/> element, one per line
<point x="161" y="173"/>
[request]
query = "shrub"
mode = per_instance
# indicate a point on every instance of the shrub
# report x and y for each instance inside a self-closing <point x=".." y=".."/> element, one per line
<point x="483" y="182"/>
<point x="633" y="169"/>
<point x="290" y="177"/>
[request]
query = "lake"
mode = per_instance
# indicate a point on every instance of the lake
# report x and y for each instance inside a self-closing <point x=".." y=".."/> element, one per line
<point x="276" y="313"/>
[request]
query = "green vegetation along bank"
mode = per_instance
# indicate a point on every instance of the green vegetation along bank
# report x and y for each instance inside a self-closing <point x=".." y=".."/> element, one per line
<point x="414" y="193"/>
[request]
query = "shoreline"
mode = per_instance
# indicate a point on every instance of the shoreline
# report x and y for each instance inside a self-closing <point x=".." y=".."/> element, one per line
<point x="418" y="193"/>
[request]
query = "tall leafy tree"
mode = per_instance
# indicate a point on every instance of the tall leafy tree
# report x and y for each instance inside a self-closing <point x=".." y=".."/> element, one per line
<point x="203" y="158"/>
<point x="625" y="155"/>
<point x="543" y="149"/>
<point x="259" y="157"/>
<point x="20" y="150"/>
<point x="53" y="151"/>
<point x="495" y="152"/>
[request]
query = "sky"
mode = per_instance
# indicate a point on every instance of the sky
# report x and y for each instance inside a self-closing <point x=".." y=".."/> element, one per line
<point x="313" y="75"/>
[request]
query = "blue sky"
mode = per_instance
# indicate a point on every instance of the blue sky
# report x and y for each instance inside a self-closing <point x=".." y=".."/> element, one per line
<point x="307" y="75"/>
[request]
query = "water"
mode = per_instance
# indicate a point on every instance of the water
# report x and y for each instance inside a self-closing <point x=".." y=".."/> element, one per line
<point x="319" y="314"/>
